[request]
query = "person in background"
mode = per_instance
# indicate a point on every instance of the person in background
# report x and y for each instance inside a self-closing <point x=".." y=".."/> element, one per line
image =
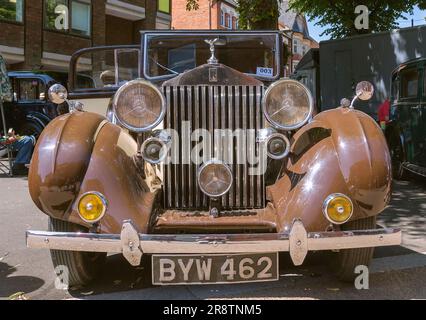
<point x="24" y="146"/>
<point x="383" y="114"/>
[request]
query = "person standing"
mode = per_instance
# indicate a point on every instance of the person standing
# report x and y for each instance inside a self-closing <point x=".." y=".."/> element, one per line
<point x="383" y="114"/>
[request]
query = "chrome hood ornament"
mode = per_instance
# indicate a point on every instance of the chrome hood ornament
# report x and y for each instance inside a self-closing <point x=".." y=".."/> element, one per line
<point x="213" y="43"/>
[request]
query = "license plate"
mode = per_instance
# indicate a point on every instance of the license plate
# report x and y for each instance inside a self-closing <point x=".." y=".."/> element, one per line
<point x="218" y="268"/>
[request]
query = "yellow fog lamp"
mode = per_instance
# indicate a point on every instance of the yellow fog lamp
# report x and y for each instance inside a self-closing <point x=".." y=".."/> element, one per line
<point x="338" y="208"/>
<point x="92" y="207"/>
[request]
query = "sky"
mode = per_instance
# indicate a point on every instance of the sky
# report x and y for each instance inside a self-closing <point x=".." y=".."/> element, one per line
<point x="419" y="17"/>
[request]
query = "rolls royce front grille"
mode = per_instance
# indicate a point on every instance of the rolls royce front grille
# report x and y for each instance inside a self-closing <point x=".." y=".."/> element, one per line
<point x="210" y="108"/>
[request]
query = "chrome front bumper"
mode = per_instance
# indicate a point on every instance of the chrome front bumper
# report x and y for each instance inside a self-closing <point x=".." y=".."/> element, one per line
<point x="133" y="244"/>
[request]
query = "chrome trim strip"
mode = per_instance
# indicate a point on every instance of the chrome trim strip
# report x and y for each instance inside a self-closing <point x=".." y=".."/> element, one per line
<point x="177" y="150"/>
<point x="168" y="187"/>
<point x="183" y="168"/>
<point x="244" y="146"/>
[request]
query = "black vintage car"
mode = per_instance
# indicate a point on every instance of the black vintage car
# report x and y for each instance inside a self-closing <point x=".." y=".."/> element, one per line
<point x="406" y="133"/>
<point x="30" y="110"/>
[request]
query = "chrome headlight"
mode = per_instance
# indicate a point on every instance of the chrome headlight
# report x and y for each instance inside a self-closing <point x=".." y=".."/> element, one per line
<point x="139" y="106"/>
<point x="288" y="104"/>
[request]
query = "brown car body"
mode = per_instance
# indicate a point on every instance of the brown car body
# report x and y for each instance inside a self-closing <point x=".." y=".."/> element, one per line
<point x="340" y="151"/>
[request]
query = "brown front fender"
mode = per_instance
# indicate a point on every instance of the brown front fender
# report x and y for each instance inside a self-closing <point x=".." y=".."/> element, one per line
<point x="60" y="161"/>
<point x="82" y="152"/>
<point x="340" y="151"/>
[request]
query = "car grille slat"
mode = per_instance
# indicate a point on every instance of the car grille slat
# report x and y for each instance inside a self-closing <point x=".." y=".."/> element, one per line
<point x="214" y="107"/>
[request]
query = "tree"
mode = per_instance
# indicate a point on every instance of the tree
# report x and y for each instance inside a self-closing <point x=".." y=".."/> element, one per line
<point x="253" y="14"/>
<point x="338" y="16"/>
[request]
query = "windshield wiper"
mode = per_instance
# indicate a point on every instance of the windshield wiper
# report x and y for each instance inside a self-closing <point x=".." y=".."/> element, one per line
<point x="163" y="67"/>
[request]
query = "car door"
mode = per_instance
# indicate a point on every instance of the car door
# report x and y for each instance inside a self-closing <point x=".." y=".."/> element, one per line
<point x="410" y="112"/>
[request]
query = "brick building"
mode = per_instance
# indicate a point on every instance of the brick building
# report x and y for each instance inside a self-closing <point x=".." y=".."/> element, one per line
<point x="212" y="14"/>
<point x="298" y="39"/>
<point x="43" y="34"/>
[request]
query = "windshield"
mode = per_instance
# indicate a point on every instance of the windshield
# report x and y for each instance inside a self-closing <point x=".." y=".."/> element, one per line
<point x="105" y="68"/>
<point x="167" y="55"/>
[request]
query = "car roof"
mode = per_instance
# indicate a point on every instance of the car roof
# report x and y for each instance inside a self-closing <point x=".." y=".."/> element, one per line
<point x="407" y="64"/>
<point x="29" y="74"/>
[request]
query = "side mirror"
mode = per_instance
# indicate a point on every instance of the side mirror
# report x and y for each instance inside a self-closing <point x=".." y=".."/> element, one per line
<point x="364" y="90"/>
<point x="57" y="93"/>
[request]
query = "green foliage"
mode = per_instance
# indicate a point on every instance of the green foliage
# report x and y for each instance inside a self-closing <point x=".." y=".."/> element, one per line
<point x="192" y="5"/>
<point x="258" y="14"/>
<point x="253" y="14"/>
<point x="7" y="10"/>
<point x="338" y="16"/>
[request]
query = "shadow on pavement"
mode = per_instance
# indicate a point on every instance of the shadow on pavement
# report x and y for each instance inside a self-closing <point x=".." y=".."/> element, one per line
<point x="11" y="285"/>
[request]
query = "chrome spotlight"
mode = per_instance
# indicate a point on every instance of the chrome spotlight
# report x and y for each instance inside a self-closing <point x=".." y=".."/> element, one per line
<point x="278" y="146"/>
<point x="215" y="178"/>
<point x="154" y="150"/>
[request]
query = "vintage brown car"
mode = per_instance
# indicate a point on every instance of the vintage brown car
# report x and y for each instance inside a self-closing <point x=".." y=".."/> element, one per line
<point x="208" y="162"/>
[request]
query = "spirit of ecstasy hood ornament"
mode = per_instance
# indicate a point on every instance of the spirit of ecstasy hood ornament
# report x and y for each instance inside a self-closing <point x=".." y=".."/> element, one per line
<point x="213" y="43"/>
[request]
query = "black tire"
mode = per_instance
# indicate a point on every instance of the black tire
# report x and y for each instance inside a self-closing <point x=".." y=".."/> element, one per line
<point x="348" y="260"/>
<point x="397" y="156"/>
<point x="31" y="128"/>
<point x="83" y="267"/>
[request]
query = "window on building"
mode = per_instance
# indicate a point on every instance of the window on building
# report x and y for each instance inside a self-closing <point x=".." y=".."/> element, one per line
<point x="409" y="81"/>
<point x="295" y="46"/>
<point x="227" y="20"/>
<point x="222" y="18"/>
<point x="164" y="6"/>
<point x="68" y="16"/>
<point x="81" y="18"/>
<point x="12" y="10"/>
<point x="234" y="23"/>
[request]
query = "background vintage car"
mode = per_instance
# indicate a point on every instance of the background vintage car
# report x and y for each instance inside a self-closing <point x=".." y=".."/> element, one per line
<point x="407" y="133"/>
<point x="105" y="188"/>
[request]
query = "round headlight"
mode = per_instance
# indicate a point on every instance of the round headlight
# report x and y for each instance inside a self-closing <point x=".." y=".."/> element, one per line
<point x="215" y="178"/>
<point x="139" y="106"/>
<point x="92" y="207"/>
<point x="288" y="104"/>
<point x="338" y="208"/>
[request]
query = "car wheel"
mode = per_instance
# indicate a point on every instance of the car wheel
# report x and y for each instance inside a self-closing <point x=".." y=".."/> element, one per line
<point x="347" y="260"/>
<point x="397" y="156"/>
<point x="31" y="129"/>
<point x="82" y="267"/>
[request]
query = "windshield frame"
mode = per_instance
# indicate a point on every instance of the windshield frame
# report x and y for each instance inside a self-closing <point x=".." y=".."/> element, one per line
<point x="106" y="91"/>
<point x="208" y="33"/>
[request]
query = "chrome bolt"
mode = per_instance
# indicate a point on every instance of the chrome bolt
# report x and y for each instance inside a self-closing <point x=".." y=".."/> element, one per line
<point x="299" y="243"/>
<point x="214" y="212"/>
<point x="46" y="241"/>
<point x="131" y="244"/>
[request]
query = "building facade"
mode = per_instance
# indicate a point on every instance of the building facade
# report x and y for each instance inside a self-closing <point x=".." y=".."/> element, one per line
<point x="298" y="39"/>
<point x="211" y="14"/>
<point x="43" y="34"/>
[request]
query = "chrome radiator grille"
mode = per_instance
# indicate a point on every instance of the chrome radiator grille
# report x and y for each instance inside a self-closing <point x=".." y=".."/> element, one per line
<point x="213" y="107"/>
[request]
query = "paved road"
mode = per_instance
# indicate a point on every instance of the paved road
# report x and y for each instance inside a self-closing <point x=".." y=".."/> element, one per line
<point x="396" y="272"/>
